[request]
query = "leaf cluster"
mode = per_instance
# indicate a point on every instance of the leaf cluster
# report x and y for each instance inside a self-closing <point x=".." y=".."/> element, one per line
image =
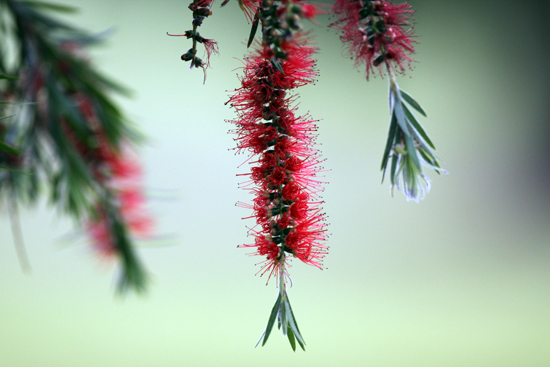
<point x="56" y="142"/>
<point x="408" y="146"/>
<point x="286" y="321"/>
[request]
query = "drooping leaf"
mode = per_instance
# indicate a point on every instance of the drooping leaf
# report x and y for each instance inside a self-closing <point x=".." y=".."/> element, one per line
<point x="283" y="320"/>
<point x="393" y="169"/>
<point x="272" y="318"/>
<point x="7" y="148"/>
<point x="253" y="30"/>
<point x="389" y="144"/>
<point x="49" y="6"/>
<point x="294" y="326"/>
<point x="15" y="170"/>
<point x="410" y="100"/>
<point x="397" y="109"/>
<point x="411" y="151"/>
<point x="414" y="122"/>
<point x="277" y="64"/>
<point x="6" y="117"/>
<point x="8" y="77"/>
<point x="291" y="338"/>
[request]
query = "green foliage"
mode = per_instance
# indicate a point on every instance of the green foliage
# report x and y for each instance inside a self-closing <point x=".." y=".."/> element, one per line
<point x="408" y="146"/>
<point x="53" y="138"/>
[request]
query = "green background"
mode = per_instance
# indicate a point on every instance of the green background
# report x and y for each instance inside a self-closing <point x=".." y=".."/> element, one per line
<point x="460" y="279"/>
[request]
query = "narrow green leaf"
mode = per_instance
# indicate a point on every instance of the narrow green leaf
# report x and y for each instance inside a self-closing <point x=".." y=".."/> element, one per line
<point x="283" y="319"/>
<point x="50" y="6"/>
<point x="294" y="326"/>
<point x="272" y="318"/>
<point x="411" y="151"/>
<point x="277" y="64"/>
<point x="6" y="117"/>
<point x="414" y="122"/>
<point x="426" y="153"/>
<point x="389" y="144"/>
<point x="291" y="338"/>
<point x="430" y="158"/>
<point x="17" y="103"/>
<point x="132" y="275"/>
<point x="29" y="12"/>
<point x="253" y="30"/>
<point x="15" y="170"/>
<point x="393" y="169"/>
<point x="410" y="100"/>
<point x="8" y="77"/>
<point x="7" y="148"/>
<point x="399" y="113"/>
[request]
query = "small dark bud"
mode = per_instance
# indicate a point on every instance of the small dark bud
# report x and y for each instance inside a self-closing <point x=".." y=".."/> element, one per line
<point x="197" y="62"/>
<point x="197" y="22"/>
<point x="188" y="55"/>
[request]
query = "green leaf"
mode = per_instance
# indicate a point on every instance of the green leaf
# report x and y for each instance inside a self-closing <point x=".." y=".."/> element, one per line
<point x="15" y="170"/>
<point x="272" y="318"/>
<point x="393" y="169"/>
<point x="291" y="338"/>
<point x="397" y="109"/>
<point x="50" y="6"/>
<point x="29" y="11"/>
<point x="17" y="103"/>
<point x="389" y="144"/>
<point x="430" y="158"/>
<point x="410" y="100"/>
<point x="283" y="319"/>
<point x="253" y="30"/>
<point x="294" y="326"/>
<point x="7" y="148"/>
<point x="277" y="64"/>
<point x="132" y="274"/>
<point x="8" y="77"/>
<point x="6" y="117"/>
<point x="402" y="122"/>
<point x="417" y="126"/>
<point x="411" y="151"/>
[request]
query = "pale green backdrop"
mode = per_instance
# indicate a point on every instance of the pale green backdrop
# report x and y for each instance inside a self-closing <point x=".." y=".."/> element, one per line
<point x="461" y="279"/>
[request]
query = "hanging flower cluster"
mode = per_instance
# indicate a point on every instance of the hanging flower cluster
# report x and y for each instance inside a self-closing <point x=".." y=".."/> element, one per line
<point x="201" y="9"/>
<point x="377" y="34"/>
<point x="286" y="206"/>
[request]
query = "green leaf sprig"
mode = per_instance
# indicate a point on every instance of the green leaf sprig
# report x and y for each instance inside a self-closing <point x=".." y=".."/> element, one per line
<point x="408" y="147"/>
<point x="282" y="312"/>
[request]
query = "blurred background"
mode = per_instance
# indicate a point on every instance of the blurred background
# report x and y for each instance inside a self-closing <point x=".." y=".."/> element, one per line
<point x="460" y="279"/>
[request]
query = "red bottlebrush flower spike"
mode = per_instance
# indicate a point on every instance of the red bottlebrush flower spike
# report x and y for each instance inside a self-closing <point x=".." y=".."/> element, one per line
<point x="376" y="33"/>
<point x="284" y="180"/>
<point x="286" y="206"/>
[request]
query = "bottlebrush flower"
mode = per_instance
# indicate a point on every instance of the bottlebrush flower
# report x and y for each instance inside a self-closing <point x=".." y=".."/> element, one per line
<point x="286" y="204"/>
<point x="376" y="33"/>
